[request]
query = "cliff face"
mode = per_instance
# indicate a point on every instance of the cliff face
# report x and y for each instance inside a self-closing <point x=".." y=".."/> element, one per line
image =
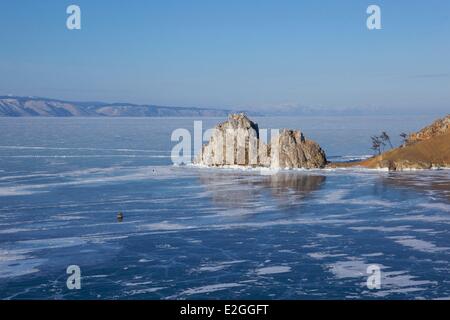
<point x="292" y="150"/>
<point x="428" y="148"/>
<point x="233" y="142"/>
<point x="236" y="142"/>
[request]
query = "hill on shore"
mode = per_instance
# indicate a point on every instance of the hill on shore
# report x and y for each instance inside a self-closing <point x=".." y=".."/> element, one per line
<point x="425" y="149"/>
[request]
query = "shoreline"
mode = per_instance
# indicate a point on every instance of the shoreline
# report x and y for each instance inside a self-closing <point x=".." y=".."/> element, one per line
<point x="328" y="168"/>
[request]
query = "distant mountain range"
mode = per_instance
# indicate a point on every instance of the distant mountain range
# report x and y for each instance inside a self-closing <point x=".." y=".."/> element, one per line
<point x="13" y="106"/>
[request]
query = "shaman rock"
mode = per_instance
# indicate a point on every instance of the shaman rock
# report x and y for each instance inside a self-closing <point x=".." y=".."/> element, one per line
<point x="237" y="142"/>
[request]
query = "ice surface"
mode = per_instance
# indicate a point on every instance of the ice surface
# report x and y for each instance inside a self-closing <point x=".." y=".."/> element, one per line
<point x="198" y="233"/>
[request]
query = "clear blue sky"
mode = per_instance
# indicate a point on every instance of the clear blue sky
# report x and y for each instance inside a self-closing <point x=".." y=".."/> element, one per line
<point x="229" y="53"/>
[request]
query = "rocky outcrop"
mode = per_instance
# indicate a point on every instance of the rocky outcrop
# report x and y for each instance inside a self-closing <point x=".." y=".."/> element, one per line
<point x="233" y="142"/>
<point x="438" y="128"/>
<point x="400" y="165"/>
<point x="292" y="150"/>
<point x="237" y="142"/>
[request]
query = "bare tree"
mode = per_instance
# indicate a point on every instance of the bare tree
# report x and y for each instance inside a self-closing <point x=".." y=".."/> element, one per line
<point x="385" y="138"/>
<point x="377" y="143"/>
<point x="404" y="137"/>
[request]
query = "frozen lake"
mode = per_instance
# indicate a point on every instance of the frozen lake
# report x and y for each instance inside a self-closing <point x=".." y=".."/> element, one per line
<point x="213" y="233"/>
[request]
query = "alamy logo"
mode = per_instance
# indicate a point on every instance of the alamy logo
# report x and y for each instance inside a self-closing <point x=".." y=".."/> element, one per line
<point x="234" y="146"/>
<point x="374" y="20"/>
<point x="74" y="20"/>
<point x="74" y="280"/>
<point x="374" y="279"/>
